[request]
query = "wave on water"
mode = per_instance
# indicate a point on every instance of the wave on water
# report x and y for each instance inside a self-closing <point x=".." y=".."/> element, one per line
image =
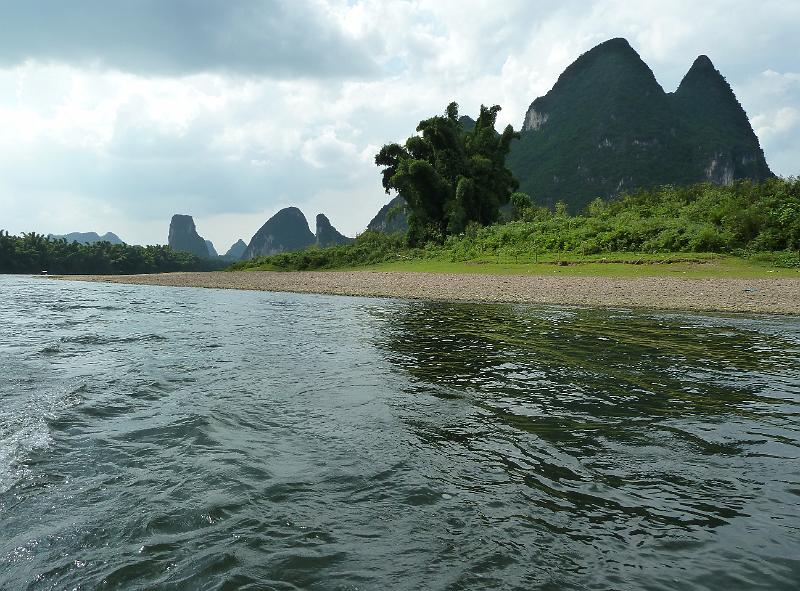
<point x="98" y="339"/>
<point x="25" y="431"/>
<point x="17" y="447"/>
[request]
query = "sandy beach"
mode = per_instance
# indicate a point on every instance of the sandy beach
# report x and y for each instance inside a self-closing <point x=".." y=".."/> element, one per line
<point x="775" y="296"/>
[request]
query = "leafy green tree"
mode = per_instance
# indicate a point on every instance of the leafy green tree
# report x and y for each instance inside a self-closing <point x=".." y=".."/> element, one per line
<point x="520" y="202"/>
<point x="596" y="208"/>
<point x="450" y="177"/>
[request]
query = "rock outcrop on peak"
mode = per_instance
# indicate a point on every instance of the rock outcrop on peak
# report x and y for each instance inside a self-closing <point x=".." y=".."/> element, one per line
<point x="236" y="250"/>
<point x="607" y="127"/>
<point x="286" y="231"/>
<point x="183" y="236"/>
<point x="327" y="235"/>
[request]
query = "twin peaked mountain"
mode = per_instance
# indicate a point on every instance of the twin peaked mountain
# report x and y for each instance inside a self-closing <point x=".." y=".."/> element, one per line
<point x="607" y="127"/>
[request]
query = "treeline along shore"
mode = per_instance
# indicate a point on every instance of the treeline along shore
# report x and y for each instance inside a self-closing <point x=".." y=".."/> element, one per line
<point x="34" y="253"/>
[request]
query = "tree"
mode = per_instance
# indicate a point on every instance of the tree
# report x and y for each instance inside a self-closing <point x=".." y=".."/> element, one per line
<point x="520" y="202"/>
<point x="450" y="177"/>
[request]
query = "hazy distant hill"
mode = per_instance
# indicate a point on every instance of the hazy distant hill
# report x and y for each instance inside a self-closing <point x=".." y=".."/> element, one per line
<point x="607" y="126"/>
<point x="88" y="237"/>
<point x="286" y="231"/>
<point x="183" y="236"/>
<point x="327" y="235"/>
<point x="212" y="252"/>
<point x="236" y="250"/>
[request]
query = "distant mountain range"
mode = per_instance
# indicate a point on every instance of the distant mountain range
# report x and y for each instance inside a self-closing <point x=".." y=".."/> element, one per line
<point x="88" y="237"/>
<point x="605" y="127"/>
<point x="286" y="231"/>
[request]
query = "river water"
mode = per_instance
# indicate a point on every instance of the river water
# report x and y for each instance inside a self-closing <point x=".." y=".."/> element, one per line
<point x="206" y="439"/>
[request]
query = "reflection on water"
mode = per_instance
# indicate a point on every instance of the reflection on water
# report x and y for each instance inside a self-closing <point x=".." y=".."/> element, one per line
<point x="637" y="436"/>
<point x="202" y="439"/>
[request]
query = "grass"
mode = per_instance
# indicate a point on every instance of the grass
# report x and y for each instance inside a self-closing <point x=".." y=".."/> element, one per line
<point x="701" y="266"/>
<point x="689" y="265"/>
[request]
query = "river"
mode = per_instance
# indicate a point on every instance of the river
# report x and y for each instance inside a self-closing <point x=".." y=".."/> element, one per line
<point x="180" y="438"/>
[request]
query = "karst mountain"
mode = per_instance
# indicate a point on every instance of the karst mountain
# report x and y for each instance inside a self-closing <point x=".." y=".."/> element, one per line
<point x="607" y="126"/>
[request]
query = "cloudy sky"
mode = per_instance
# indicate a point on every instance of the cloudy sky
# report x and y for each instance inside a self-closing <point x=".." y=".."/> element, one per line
<point x="115" y="115"/>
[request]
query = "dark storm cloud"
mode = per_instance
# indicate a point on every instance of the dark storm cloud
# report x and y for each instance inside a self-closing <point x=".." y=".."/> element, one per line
<point x="178" y="37"/>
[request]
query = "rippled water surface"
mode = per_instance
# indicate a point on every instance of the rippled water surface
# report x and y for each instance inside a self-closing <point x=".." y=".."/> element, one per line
<point x="204" y="439"/>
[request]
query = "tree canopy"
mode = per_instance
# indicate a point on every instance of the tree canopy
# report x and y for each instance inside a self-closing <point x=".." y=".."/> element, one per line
<point x="450" y="176"/>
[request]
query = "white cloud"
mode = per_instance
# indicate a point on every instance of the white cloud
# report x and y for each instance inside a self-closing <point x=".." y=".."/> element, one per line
<point x="326" y="150"/>
<point x="776" y="117"/>
<point x="777" y="123"/>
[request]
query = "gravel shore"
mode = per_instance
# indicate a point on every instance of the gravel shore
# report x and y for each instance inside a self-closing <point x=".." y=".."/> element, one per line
<point x="776" y="296"/>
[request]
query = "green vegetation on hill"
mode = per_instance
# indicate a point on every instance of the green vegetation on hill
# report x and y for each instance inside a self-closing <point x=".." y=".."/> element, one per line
<point x="327" y="235"/>
<point x="720" y="129"/>
<point x="34" y="253"/>
<point x="367" y="249"/>
<point x="608" y="127"/>
<point x="758" y="221"/>
<point x="391" y="218"/>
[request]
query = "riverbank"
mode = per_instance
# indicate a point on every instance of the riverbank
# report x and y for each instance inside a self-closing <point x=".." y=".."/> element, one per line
<point x="775" y="296"/>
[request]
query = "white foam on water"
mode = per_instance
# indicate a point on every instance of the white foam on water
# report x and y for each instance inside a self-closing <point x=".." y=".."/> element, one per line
<point x="16" y="447"/>
<point x="25" y="429"/>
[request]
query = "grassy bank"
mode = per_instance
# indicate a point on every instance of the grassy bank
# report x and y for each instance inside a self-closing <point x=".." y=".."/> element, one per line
<point x="707" y="265"/>
<point x="745" y="230"/>
<point x="621" y="264"/>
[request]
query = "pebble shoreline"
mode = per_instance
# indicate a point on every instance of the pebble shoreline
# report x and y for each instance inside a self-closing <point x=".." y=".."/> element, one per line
<point x="772" y="296"/>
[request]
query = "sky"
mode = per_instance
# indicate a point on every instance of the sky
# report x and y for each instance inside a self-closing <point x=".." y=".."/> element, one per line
<point x="117" y="115"/>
